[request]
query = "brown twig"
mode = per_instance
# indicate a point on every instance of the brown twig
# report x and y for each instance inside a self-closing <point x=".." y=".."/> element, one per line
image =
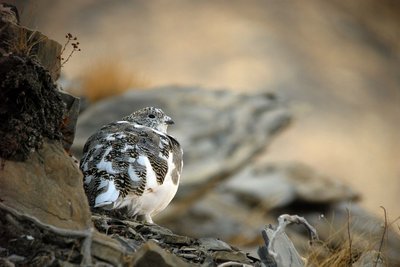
<point x="383" y="237"/>
<point x="75" y="48"/>
<point x="69" y="37"/>
<point x="349" y="235"/>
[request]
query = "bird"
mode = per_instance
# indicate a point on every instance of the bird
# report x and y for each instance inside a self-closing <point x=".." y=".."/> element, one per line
<point x="133" y="164"/>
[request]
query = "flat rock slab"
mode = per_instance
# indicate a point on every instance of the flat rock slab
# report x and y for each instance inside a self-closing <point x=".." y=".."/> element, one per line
<point x="279" y="184"/>
<point x="47" y="186"/>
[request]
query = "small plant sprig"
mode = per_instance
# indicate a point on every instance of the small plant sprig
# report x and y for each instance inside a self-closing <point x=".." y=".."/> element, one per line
<point x="73" y="40"/>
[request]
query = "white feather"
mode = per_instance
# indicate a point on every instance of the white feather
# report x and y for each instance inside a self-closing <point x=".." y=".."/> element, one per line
<point x="126" y="147"/>
<point x="106" y="165"/>
<point x="132" y="174"/>
<point x="109" y="196"/>
<point x="110" y="137"/>
<point x="150" y="174"/>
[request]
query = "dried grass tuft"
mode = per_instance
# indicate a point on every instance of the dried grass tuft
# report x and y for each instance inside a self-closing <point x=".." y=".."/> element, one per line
<point x="350" y="246"/>
<point x="108" y="78"/>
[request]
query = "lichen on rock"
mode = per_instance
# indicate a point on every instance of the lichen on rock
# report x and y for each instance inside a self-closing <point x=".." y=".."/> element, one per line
<point x="30" y="107"/>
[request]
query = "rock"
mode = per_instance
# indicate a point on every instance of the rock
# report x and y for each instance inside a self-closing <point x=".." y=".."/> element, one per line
<point x="33" y="243"/>
<point x="226" y="256"/>
<point x="279" y="249"/>
<point x="139" y="238"/>
<point x="21" y="41"/>
<point x="108" y="250"/>
<point x="70" y="118"/>
<point x="280" y="184"/>
<point x="370" y="259"/>
<point x="219" y="130"/>
<point x="150" y="254"/>
<point x="47" y="186"/>
<point x="38" y="178"/>
<point x="230" y="211"/>
<point x="9" y="13"/>
<point x="219" y="215"/>
<point x="239" y="207"/>
<point x="177" y="239"/>
<point x="214" y="244"/>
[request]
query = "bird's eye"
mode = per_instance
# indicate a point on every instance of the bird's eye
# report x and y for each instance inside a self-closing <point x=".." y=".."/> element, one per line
<point x="151" y="116"/>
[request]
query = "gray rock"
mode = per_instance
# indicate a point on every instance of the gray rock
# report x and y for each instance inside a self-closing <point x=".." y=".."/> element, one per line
<point x="214" y="244"/>
<point x="219" y="130"/>
<point x="149" y="241"/>
<point x="218" y="215"/>
<point x="370" y="259"/>
<point x="177" y="239"/>
<point x="279" y="184"/>
<point x="234" y="257"/>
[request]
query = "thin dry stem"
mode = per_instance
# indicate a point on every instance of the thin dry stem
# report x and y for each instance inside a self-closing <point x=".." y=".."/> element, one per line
<point x="349" y="236"/>
<point x="383" y="237"/>
<point x="75" y="48"/>
<point x="24" y="43"/>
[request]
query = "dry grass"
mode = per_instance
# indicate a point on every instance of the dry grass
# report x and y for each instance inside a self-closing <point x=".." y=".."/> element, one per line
<point x="340" y="249"/>
<point x="24" y="42"/>
<point x="108" y="78"/>
<point x="345" y="249"/>
<point x="325" y="257"/>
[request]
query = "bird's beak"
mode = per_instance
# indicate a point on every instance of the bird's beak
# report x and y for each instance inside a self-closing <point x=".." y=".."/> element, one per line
<point x="169" y="121"/>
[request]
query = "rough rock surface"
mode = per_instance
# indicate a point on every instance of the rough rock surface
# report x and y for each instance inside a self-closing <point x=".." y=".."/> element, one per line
<point x="279" y="184"/>
<point x="123" y="243"/>
<point x="47" y="186"/>
<point x="21" y="41"/>
<point x="158" y="246"/>
<point x="70" y="118"/>
<point x="30" y="107"/>
<point x="219" y="130"/>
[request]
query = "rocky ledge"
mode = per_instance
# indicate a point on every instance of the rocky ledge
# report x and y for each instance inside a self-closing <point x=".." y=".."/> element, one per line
<point x="45" y="218"/>
<point x="27" y="241"/>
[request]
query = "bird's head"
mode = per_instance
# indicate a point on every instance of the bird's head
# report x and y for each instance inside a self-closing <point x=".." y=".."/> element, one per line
<point x="151" y="117"/>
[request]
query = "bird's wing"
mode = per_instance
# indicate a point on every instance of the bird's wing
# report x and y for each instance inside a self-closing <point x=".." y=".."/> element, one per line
<point x="177" y="159"/>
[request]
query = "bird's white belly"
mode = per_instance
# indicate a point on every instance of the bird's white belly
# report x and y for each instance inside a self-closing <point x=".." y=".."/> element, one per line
<point x="153" y="200"/>
<point x="155" y="197"/>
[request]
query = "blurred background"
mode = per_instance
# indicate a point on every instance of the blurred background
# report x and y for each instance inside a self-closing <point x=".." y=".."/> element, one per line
<point x="334" y="63"/>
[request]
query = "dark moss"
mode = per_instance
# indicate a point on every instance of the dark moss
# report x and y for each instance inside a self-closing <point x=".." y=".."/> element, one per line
<point x="30" y="107"/>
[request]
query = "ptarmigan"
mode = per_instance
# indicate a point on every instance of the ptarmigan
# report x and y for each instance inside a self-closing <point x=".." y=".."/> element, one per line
<point x="133" y="163"/>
